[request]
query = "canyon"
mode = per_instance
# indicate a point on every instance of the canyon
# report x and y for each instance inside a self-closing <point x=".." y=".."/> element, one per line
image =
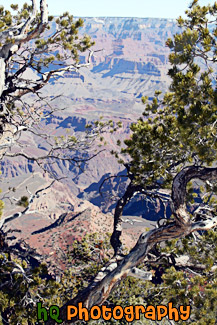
<point x="130" y="61"/>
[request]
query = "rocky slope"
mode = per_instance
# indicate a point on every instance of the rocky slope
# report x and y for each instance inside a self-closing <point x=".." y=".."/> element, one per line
<point x="51" y="232"/>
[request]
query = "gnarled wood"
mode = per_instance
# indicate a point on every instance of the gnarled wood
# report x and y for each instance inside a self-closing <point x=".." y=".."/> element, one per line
<point x="98" y="291"/>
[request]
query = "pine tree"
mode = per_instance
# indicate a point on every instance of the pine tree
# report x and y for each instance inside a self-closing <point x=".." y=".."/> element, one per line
<point x="171" y="156"/>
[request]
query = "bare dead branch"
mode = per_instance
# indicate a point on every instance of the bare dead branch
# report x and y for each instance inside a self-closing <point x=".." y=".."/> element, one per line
<point x="98" y="291"/>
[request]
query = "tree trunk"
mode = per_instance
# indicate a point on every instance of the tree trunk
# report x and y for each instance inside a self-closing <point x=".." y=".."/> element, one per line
<point x="2" y="75"/>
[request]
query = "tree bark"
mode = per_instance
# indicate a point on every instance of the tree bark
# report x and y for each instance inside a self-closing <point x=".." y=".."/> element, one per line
<point x="115" y="238"/>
